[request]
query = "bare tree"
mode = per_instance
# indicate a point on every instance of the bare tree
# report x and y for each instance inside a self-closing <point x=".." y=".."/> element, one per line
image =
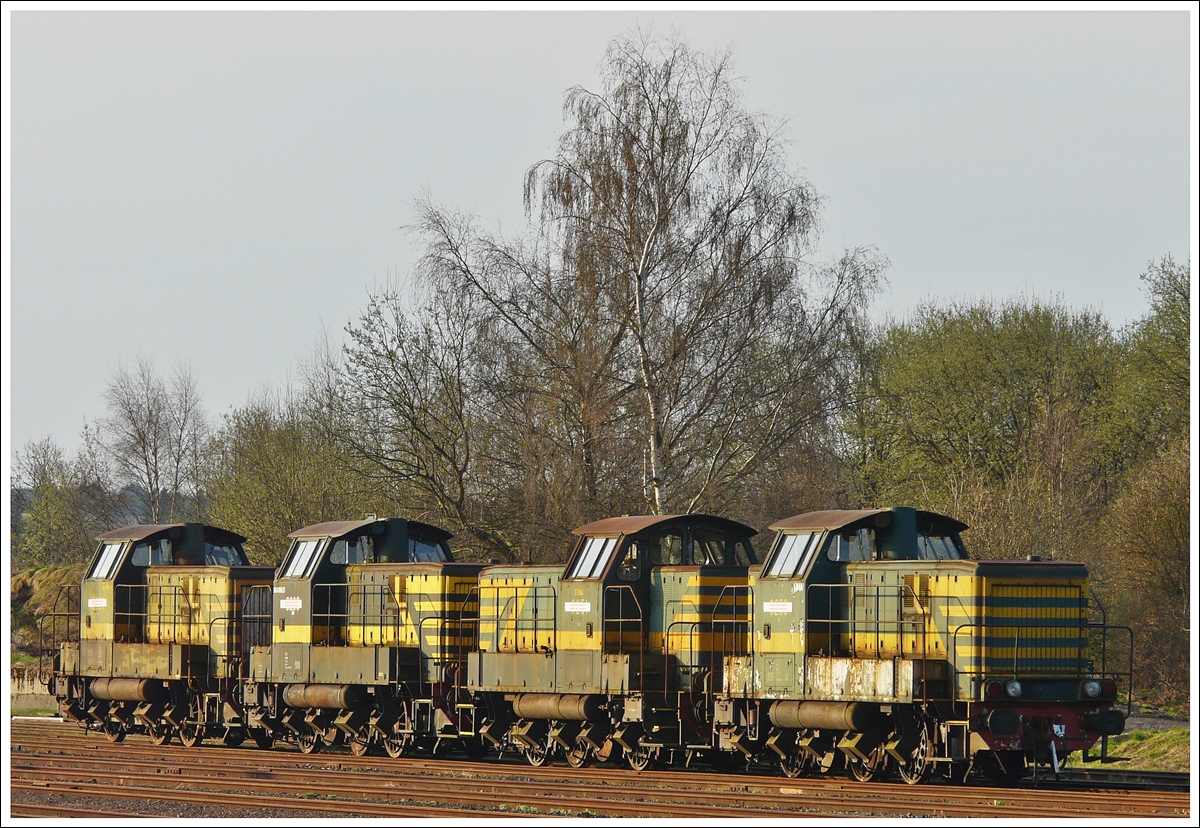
<point x="672" y="234"/>
<point x="413" y="410"/>
<point x="153" y="435"/>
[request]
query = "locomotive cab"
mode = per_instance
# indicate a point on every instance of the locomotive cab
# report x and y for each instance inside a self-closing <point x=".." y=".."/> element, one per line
<point x="172" y="584"/>
<point x="318" y="597"/>
<point x="672" y="588"/>
<point x="370" y="624"/>
<point x="159" y="625"/>
<point x="876" y="626"/>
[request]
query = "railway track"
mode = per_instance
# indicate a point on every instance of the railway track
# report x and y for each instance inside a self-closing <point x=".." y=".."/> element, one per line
<point x="54" y="763"/>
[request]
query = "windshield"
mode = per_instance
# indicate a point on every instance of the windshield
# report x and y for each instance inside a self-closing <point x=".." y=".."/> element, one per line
<point x="107" y="561"/>
<point x="793" y="555"/>
<point x="424" y="551"/>
<point x="303" y="555"/>
<point x="593" y="558"/>
<point x="937" y="548"/>
<point x="223" y="554"/>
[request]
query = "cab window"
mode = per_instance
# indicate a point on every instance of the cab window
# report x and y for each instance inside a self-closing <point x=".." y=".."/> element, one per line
<point x="665" y="548"/>
<point x="849" y="547"/>
<point x="708" y="548"/>
<point x="937" y="547"/>
<point x="106" y="562"/>
<point x="792" y="555"/>
<point x="593" y="558"/>
<point x="743" y="553"/>
<point x="425" y="551"/>
<point x="631" y="562"/>
<point x="301" y="558"/>
<point x="223" y="554"/>
<point x="153" y="553"/>
<point x="352" y="551"/>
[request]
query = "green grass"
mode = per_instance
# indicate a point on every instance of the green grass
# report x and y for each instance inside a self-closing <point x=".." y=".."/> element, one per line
<point x="1148" y="750"/>
<point x="1165" y="750"/>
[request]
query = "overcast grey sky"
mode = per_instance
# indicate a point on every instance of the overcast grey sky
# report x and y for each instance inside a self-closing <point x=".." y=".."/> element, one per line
<point x="224" y="187"/>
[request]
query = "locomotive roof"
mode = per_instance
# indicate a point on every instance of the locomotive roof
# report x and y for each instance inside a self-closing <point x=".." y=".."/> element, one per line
<point x="337" y="528"/>
<point x="629" y="524"/>
<point x="143" y="531"/>
<point x="839" y="518"/>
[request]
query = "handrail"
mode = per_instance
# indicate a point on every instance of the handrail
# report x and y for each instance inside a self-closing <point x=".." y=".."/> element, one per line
<point x="70" y="617"/>
<point x="518" y="619"/>
<point x="605" y="619"/>
<point x="917" y="625"/>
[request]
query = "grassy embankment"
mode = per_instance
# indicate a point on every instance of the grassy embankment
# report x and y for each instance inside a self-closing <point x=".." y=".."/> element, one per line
<point x="1151" y="750"/>
<point x="34" y="593"/>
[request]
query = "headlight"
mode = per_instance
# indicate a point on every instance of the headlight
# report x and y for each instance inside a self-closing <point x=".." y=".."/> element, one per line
<point x="1091" y="688"/>
<point x="1014" y="689"/>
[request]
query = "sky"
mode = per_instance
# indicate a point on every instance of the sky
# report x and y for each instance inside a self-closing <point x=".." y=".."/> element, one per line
<point x="227" y="188"/>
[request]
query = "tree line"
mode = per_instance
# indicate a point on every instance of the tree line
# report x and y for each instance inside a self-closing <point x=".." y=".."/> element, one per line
<point x="660" y="340"/>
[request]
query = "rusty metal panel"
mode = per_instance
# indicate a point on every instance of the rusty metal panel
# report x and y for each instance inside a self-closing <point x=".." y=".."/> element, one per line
<point x="137" y="533"/>
<point x="738" y="678"/>
<point x="859" y="679"/>
<point x="330" y="529"/>
<point x="142" y="660"/>
<point x="95" y="657"/>
<point x="511" y="672"/>
<point x="339" y="665"/>
<point x="837" y="518"/>
<point x="615" y="673"/>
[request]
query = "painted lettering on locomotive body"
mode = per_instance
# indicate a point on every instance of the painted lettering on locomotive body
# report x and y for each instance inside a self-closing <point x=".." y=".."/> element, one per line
<point x="867" y="642"/>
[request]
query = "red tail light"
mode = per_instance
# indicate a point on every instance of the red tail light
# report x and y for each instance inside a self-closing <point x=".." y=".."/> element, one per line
<point x="1108" y="688"/>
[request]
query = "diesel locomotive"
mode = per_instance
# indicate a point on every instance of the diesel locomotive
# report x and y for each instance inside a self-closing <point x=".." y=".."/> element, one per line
<point x="866" y="642"/>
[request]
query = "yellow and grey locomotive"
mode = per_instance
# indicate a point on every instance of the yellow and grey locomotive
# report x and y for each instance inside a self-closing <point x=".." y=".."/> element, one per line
<point x="878" y="644"/>
<point x="361" y="638"/>
<point x="868" y="641"/>
<point x="151" y="640"/>
<point x="618" y="651"/>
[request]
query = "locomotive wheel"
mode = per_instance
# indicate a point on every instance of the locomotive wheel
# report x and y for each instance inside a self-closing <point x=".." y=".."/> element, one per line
<point x="160" y="734"/>
<point x="608" y="751"/>
<point x="578" y="757"/>
<point x="331" y="736"/>
<point x="114" y="731"/>
<point x="360" y="744"/>
<point x="397" y="744"/>
<point x="191" y="735"/>
<point x="919" y="766"/>
<point x="309" y="739"/>
<point x="797" y="764"/>
<point x="874" y="768"/>
<point x="234" y="737"/>
<point x="643" y="758"/>
<point x="537" y="756"/>
<point x="263" y="739"/>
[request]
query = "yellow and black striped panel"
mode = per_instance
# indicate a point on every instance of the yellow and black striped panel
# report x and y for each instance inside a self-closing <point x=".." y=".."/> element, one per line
<point x="985" y="618"/>
<point x="434" y="606"/>
<point x="698" y="612"/>
<point x="1032" y="629"/>
<point x="518" y="608"/>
